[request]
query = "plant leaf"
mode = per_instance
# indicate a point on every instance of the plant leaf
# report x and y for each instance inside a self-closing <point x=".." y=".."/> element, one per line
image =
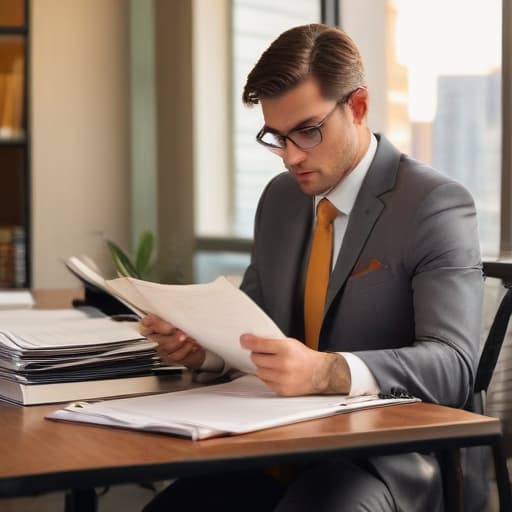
<point x="122" y="262"/>
<point x="144" y="251"/>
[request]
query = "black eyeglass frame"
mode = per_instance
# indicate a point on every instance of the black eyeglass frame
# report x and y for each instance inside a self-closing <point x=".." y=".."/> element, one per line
<point x="317" y="127"/>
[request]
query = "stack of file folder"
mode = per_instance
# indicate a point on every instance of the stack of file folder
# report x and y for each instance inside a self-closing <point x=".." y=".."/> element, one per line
<point x="71" y="354"/>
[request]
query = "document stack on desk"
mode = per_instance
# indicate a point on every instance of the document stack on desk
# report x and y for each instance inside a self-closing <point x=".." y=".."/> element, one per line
<point x="62" y="355"/>
<point x="244" y="405"/>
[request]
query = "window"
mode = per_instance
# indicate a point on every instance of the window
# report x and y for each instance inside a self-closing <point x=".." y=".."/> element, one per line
<point x="254" y="24"/>
<point x="437" y="94"/>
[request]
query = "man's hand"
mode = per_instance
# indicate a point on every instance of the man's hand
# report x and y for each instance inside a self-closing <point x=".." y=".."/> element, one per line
<point x="290" y="368"/>
<point x="174" y="346"/>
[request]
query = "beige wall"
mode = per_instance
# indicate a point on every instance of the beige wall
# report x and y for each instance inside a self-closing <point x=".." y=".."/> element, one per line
<point x="174" y="137"/>
<point x="80" y="133"/>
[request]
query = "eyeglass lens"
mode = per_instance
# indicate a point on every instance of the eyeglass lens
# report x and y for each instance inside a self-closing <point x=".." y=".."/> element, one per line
<point x="305" y="139"/>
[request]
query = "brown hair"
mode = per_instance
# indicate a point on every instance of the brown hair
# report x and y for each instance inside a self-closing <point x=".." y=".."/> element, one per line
<point x="321" y="51"/>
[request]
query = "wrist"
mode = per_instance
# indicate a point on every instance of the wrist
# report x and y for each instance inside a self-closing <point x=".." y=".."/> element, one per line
<point x="335" y="375"/>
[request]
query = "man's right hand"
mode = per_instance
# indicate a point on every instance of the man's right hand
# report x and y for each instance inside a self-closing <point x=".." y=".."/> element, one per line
<point x="174" y="346"/>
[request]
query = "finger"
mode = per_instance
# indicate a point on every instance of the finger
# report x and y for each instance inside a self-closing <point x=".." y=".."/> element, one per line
<point x="181" y="336"/>
<point x="149" y="320"/>
<point x="260" y="345"/>
<point x="262" y="360"/>
<point x="169" y="344"/>
<point x="158" y="325"/>
<point x="181" y="352"/>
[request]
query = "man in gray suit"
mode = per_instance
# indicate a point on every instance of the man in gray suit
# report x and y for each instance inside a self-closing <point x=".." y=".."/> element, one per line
<point x="403" y="303"/>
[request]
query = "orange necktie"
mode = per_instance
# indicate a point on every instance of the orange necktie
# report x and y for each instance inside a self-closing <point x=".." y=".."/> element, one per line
<point x="318" y="273"/>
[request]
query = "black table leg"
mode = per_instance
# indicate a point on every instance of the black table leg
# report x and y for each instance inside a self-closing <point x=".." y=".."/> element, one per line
<point x="81" y="500"/>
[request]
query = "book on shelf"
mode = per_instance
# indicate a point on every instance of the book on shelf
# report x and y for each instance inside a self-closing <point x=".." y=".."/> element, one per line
<point x="58" y="355"/>
<point x="12" y="257"/>
<point x="243" y="405"/>
<point x="11" y="119"/>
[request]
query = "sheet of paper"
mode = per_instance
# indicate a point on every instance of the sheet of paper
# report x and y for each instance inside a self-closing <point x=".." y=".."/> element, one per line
<point x="216" y="314"/>
<point x="92" y="331"/>
<point x="61" y="328"/>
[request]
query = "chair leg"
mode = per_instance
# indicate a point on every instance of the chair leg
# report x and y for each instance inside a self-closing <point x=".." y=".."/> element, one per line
<point x="502" y="477"/>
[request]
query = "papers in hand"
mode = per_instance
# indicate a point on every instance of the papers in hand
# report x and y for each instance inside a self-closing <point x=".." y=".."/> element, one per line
<point x="215" y="314"/>
<point x="243" y="405"/>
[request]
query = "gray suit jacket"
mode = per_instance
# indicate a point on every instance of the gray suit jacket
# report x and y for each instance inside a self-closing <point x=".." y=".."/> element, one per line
<point x="413" y="318"/>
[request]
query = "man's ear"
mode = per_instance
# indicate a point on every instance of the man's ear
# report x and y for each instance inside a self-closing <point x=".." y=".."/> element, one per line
<point x="358" y="103"/>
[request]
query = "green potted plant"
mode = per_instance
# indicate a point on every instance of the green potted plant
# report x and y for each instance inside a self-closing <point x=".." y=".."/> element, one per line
<point x="140" y="266"/>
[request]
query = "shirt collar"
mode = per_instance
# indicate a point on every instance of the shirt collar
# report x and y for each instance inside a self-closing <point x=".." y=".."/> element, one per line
<point x="344" y="194"/>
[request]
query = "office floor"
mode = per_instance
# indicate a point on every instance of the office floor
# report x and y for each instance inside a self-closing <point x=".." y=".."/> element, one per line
<point x="128" y="498"/>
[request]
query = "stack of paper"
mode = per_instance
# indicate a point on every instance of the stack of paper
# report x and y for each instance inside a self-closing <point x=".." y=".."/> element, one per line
<point x="60" y="355"/>
<point x="243" y="405"/>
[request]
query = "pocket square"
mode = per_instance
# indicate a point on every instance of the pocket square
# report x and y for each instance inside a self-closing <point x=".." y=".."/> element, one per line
<point x="363" y="268"/>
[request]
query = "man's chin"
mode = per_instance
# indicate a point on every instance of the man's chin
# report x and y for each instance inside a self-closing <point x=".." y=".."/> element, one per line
<point x="307" y="183"/>
<point x="311" y="188"/>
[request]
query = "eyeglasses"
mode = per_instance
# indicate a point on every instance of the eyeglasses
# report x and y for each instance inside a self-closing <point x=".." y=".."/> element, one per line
<point x="307" y="137"/>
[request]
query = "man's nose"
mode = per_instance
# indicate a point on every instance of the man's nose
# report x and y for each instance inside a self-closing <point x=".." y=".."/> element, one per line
<point x="293" y="155"/>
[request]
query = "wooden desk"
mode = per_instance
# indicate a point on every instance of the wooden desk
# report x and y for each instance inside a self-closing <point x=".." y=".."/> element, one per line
<point x="39" y="455"/>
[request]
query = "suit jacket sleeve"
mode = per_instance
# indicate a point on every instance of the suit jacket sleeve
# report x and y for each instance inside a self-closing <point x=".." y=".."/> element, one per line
<point x="442" y="258"/>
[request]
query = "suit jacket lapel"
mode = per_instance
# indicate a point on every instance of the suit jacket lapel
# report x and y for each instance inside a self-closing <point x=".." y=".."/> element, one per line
<point x="380" y="178"/>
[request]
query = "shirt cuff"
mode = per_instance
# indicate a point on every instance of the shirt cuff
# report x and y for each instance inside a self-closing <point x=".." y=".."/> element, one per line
<point x="362" y="381"/>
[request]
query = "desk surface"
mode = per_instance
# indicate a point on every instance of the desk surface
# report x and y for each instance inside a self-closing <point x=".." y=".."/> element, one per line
<point x="38" y="455"/>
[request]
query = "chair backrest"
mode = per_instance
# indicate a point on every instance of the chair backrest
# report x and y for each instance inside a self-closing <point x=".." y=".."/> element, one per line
<point x="493" y="343"/>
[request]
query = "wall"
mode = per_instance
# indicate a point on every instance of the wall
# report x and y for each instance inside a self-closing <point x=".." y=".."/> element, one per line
<point x="80" y="133"/>
<point x="364" y="21"/>
<point x="175" y="138"/>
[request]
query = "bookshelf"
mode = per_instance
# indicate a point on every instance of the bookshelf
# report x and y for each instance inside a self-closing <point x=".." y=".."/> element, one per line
<point x="14" y="145"/>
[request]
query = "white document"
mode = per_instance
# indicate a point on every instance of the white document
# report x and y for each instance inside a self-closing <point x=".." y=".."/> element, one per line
<point x="77" y="333"/>
<point x="216" y="314"/>
<point x="243" y="405"/>
<point x="16" y="299"/>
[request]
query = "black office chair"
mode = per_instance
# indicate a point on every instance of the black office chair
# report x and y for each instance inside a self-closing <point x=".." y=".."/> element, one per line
<point x="490" y="354"/>
<point x="493" y="343"/>
<point x="450" y="461"/>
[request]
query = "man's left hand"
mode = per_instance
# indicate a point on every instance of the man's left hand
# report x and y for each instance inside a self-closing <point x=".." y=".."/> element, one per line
<point x="290" y="368"/>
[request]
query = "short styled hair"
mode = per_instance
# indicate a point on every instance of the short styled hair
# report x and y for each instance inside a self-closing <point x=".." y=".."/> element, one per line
<point x="316" y="50"/>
